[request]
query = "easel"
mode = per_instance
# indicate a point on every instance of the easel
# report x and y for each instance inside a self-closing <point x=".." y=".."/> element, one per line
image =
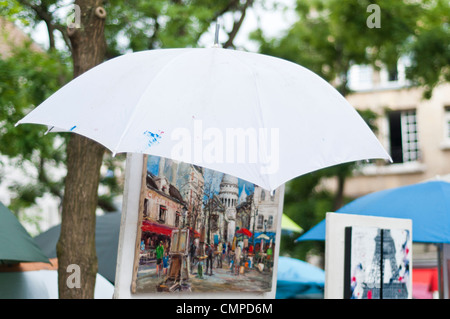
<point x="177" y="278"/>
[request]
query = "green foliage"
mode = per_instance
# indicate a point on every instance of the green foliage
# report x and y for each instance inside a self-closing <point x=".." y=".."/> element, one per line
<point x="430" y="52"/>
<point x="28" y="77"/>
<point x="332" y="35"/>
<point x="143" y="25"/>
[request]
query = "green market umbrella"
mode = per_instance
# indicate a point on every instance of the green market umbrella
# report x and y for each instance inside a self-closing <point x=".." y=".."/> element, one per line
<point x="16" y="245"/>
<point x="289" y="226"/>
<point x="107" y="229"/>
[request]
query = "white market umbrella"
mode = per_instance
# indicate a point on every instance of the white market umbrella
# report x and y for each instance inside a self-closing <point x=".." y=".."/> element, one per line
<point x="263" y="236"/>
<point x="256" y="117"/>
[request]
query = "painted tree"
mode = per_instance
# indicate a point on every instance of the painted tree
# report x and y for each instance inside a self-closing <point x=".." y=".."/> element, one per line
<point x="108" y="29"/>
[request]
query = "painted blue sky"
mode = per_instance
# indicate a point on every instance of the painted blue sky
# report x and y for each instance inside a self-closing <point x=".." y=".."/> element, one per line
<point x="211" y="177"/>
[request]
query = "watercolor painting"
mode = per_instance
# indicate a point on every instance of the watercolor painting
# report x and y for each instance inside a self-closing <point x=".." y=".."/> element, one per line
<point x="201" y="231"/>
<point x="377" y="263"/>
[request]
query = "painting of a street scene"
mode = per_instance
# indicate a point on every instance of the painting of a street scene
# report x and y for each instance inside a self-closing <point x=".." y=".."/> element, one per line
<point x="202" y="231"/>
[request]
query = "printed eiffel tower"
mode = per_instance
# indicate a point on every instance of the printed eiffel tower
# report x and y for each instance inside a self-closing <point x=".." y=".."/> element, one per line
<point x="394" y="289"/>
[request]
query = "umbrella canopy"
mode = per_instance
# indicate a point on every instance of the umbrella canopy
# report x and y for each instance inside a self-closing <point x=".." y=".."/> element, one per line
<point x="193" y="232"/>
<point x="217" y="108"/>
<point x="263" y="236"/>
<point x="427" y="204"/>
<point x="16" y="245"/>
<point x="289" y="226"/>
<point x="298" y="279"/>
<point x="107" y="229"/>
<point x="245" y="232"/>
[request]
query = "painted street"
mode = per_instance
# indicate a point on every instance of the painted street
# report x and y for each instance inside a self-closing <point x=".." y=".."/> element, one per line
<point x="221" y="281"/>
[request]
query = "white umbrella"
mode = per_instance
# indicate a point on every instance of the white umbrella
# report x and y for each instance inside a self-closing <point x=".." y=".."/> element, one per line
<point x="263" y="236"/>
<point x="256" y="117"/>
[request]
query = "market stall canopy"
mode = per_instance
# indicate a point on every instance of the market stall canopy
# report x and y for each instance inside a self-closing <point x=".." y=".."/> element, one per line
<point x="245" y="232"/>
<point x="16" y="244"/>
<point x="157" y="228"/>
<point x="263" y="236"/>
<point x="193" y="232"/>
<point x="299" y="279"/>
<point x="107" y="230"/>
<point x="289" y="226"/>
<point x="427" y="204"/>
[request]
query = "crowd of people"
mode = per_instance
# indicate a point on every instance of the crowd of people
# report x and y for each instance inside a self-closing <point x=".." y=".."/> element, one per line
<point x="237" y="257"/>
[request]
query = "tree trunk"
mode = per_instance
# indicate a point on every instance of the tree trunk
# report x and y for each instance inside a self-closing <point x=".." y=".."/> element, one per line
<point x="77" y="258"/>
<point x="339" y="196"/>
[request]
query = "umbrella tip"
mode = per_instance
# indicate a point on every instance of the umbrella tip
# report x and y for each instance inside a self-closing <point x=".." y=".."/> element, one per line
<point x="216" y="36"/>
<point x="48" y="130"/>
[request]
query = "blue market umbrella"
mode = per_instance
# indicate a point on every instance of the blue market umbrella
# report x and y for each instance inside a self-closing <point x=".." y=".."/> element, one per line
<point x="107" y="229"/>
<point x="427" y="204"/>
<point x="299" y="279"/>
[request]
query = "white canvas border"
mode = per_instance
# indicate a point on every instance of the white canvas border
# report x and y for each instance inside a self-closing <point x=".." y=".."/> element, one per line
<point x="335" y="246"/>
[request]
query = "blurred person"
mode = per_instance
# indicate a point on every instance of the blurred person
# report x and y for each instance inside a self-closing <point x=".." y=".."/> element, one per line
<point x="159" y="257"/>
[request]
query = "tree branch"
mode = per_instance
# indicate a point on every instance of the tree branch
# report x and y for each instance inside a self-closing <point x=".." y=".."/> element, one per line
<point x="237" y="24"/>
<point x="65" y="35"/>
<point x="42" y="12"/>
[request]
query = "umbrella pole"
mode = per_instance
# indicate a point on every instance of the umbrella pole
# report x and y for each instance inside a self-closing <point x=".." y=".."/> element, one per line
<point x="440" y="259"/>
<point x="216" y="36"/>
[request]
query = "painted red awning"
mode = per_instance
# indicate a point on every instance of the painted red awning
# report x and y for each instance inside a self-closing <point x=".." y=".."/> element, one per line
<point x="245" y="232"/>
<point x="157" y="228"/>
<point x="195" y="233"/>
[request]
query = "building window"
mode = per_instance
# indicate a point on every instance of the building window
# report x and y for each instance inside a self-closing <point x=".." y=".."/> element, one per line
<point x="403" y="137"/>
<point x="162" y="213"/>
<point x="260" y="222"/>
<point x="392" y="73"/>
<point x="177" y="219"/>
<point x="360" y="77"/>
<point x="270" y="222"/>
<point x="145" y="207"/>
